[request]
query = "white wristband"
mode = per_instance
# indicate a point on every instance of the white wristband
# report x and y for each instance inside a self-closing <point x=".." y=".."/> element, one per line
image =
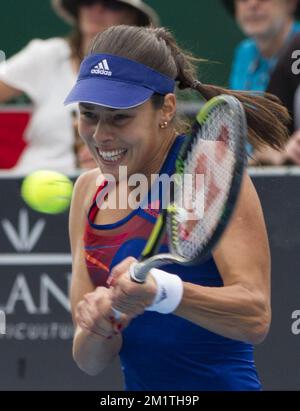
<point x="169" y="292"/>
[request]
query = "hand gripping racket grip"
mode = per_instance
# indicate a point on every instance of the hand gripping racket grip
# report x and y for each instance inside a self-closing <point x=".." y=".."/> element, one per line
<point x="138" y="271"/>
<point x="134" y="270"/>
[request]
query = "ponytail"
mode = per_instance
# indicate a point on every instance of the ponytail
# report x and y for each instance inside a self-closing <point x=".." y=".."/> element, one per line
<point x="157" y="48"/>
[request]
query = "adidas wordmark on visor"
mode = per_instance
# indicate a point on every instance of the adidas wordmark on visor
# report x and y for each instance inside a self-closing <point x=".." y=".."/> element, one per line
<point x="117" y="82"/>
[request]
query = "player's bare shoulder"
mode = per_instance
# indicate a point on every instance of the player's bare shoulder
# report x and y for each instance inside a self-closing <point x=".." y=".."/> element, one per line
<point x="85" y="188"/>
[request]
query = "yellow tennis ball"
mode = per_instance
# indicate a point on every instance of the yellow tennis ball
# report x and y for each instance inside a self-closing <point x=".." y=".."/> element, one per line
<point x="47" y="191"/>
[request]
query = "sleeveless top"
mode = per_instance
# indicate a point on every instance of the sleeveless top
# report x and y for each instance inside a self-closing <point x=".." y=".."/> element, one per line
<point x="165" y="352"/>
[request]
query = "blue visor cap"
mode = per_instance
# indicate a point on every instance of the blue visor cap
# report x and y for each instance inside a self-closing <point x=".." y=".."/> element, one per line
<point x="117" y="82"/>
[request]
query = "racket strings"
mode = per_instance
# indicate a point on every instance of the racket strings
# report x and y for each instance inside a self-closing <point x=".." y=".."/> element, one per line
<point x="211" y="160"/>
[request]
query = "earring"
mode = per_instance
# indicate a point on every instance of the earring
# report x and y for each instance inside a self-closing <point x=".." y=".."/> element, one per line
<point x="164" y="124"/>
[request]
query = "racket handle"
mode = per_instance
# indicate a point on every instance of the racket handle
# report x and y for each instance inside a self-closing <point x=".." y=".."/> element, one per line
<point x="117" y="314"/>
<point x="138" y="272"/>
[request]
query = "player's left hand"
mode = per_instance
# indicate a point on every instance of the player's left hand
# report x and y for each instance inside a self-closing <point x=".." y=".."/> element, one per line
<point x="129" y="297"/>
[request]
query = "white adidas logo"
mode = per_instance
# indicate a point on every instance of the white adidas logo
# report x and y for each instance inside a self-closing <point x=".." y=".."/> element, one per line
<point x="102" y="68"/>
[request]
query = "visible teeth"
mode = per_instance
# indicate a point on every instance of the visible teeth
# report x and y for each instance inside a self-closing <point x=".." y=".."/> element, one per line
<point x="112" y="159"/>
<point x="112" y="155"/>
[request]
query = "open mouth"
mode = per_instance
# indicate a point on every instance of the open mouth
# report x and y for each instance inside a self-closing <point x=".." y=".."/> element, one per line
<point x="112" y="156"/>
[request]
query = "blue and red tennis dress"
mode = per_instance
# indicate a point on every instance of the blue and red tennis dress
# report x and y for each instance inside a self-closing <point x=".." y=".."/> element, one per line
<point x="159" y="351"/>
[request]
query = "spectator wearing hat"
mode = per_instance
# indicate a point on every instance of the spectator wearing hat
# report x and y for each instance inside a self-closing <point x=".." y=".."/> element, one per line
<point x="46" y="69"/>
<point x="268" y="25"/>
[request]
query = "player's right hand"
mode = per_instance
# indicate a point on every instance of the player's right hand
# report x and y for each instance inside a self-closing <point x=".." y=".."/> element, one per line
<point x="94" y="313"/>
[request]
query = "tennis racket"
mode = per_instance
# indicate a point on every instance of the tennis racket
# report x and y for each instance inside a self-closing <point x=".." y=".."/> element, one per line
<point x="214" y="152"/>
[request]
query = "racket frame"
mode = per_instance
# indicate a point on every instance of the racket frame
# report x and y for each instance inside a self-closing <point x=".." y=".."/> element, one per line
<point x="149" y="258"/>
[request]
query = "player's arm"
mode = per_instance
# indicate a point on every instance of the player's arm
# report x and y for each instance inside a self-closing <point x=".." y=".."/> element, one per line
<point x="7" y="92"/>
<point x="92" y="350"/>
<point x="241" y="309"/>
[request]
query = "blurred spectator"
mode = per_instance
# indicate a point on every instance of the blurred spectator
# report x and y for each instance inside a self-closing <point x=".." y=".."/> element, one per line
<point x="285" y="84"/>
<point x="289" y="156"/>
<point x="285" y="78"/>
<point x="46" y="70"/>
<point x="268" y="25"/>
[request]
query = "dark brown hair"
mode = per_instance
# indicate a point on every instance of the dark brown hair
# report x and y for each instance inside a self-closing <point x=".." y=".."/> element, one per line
<point x="157" y="48"/>
<point x="75" y="40"/>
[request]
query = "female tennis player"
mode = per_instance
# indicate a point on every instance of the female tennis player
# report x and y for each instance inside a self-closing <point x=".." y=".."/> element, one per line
<point x="201" y="336"/>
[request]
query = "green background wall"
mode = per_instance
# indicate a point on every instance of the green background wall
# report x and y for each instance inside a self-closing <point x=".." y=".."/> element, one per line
<point x="203" y="26"/>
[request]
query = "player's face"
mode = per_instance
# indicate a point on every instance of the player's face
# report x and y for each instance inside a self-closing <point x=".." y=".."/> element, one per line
<point x="96" y="16"/>
<point x="130" y="137"/>
<point x="262" y="18"/>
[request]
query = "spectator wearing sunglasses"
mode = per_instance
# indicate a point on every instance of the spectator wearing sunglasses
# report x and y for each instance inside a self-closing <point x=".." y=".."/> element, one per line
<point x="46" y="69"/>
